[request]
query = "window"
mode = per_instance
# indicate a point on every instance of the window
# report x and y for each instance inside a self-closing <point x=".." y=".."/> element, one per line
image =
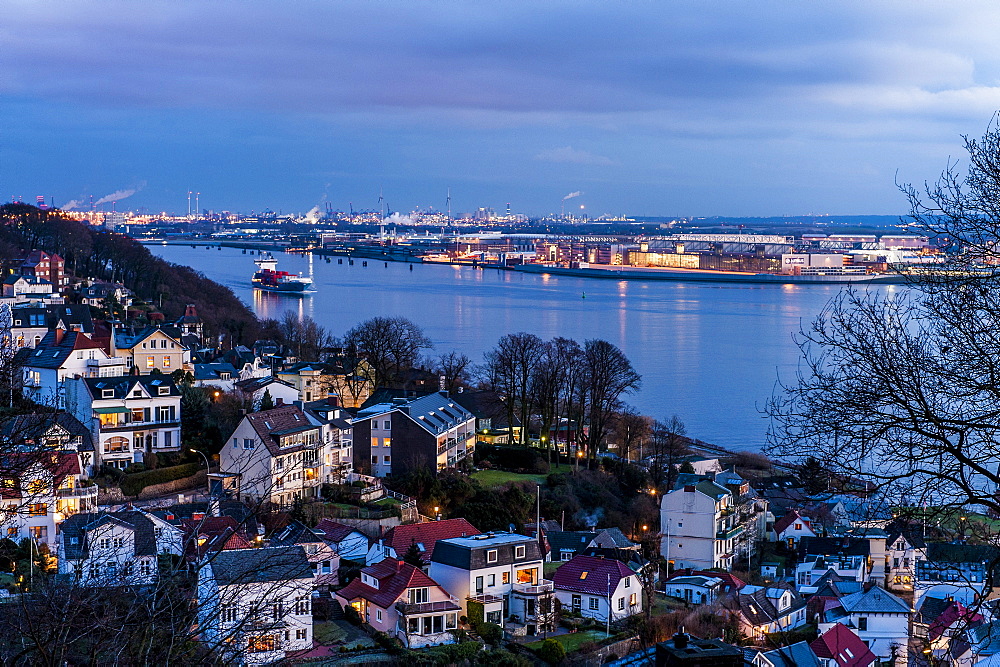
<point x="479" y="585"/>
<point x="116" y="444"/>
<point x="594" y="603"/>
<point x="387" y="426"/>
<point x="300" y="634"/>
<point x="418" y="595"/>
<point x="519" y="552"/>
<point x="107" y="393"/>
<point x="628" y="582"/>
<point x="37" y="509"/>
<point x="631" y="600"/>
<point x="798" y="526"/>
<point x="862" y="623"/>
<point x="39" y="532"/>
<point x="118" y="542"/>
<point x="385" y="460"/>
<point x="374" y="460"/>
<point x="150" y="362"/>
<point x="164" y="391"/>
<point x="621" y="604"/>
<point x="302" y="605"/>
<point x="505" y="577"/>
<point x="378" y="614"/>
<point x="228" y="613"/>
<point x="491" y="556"/>
<point x="166" y="362"/>
<point x="491" y="580"/>
<point x="248" y="443"/>
<point x="144" y="568"/>
<point x="576" y="602"/>
<point x="277" y="610"/>
<point x="583" y="575"/>
<point x="260" y="643"/>
<point x="163" y="344"/>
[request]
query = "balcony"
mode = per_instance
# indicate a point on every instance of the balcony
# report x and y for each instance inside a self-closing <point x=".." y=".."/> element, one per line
<point x="541" y="588"/>
<point x="415" y="608"/>
<point x="140" y="425"/>
<point x="727" y="534"/>
<point x="82" y="492"/>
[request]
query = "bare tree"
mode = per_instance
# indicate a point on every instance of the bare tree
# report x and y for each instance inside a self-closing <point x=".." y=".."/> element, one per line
<point x="455" y="368"/>
<point x="666" y="444"/>
<point x="391" y="345"/>
<point x="508" y="370"/>
<point x="607" y="376"/>
<point x="630" y="430"/>
<point x="552" y="385"/>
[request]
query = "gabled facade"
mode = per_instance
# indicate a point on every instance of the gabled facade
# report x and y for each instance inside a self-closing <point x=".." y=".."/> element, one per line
<point x="321" y="554"/>
<point x="277" y="455"/>
<point x="47" y="488"/>
<point x="762" y="611"/>
<point x="905" y="547"/>
<point x="256" y="604"/>
<point x="597" y="587"/>
<point x="151" y="349"/>
<point x="396" y="598"/>
<point x="431" y="431"/>
<point x="115" y="548"/>
<point x="878" y="617"/>
<point x="702" y="528"/>
<point x="255" y="387"/>
<point x="839" y="647"/>
<point x="792" y="527"/>
<point x="130" y="417"/>
<point x="500" y="571"/>
<point x="348" y="542"/>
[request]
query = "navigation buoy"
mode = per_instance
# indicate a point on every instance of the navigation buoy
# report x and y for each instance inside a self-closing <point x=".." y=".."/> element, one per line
<point x="387" y="265"/>
<point x="584" y="295"/>
<point x="411" y="267"/>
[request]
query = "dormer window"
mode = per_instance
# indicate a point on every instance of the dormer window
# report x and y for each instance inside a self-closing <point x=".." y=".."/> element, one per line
<point x="164" y="391"/>
<point x="107" y="393"/>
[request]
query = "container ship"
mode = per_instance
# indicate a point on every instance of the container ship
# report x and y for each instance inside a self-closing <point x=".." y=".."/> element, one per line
<point x="270" y="279"/>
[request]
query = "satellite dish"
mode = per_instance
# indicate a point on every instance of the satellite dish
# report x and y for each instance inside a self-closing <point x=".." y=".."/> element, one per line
<point x="512" y="527"/>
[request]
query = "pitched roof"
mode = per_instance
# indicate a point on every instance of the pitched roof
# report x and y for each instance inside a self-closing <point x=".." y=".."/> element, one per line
<point x="335" y="532"/>
<point x="939" y="615"/>
<point x="122" y="385"/>
<point x="833" y="546"/>
<point x="757" y="605"/>
<point x="730" y="581"/>
<point x="590" y="574"/>
<point x="796" y="655"/>
<point x="840" y="644"/>
<point x="251" y="385"/>
<point x="394" y="578"/>
<point x="78" y="525"/>
<point x="435" y="413"/>
<point x="570" y="540"/>
<point x="874" y="600"/>
<point x="784" y="522"/>
<point x="36" y="425"/>
<point x="214" y="371"/>
<point x="425" y="535"/>
<point x="912" y="533"/>
<point x="284" y="419"/>
<point x="50" y="353"/>
<point x="218" y="532"/>
<point x="242" y="566"/>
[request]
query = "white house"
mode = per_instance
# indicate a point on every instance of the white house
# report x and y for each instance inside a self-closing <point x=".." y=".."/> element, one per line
<point x="38" y="490"/>
<point x="810" y="570"/>
<point x="904" y="548"/>
<point x="60" y="356"/>
<point x="762" y="611"/>
<point x="596" y="587"/>
<point x="696" y="589"/>
<point x="255" y="605"/>
<point x="880" y="619"/>
<point x="700" y="526"/>
<point x="255" y="387"/>
<point x="501" y="571"/>
<point x="115" y="548"/>
<point x="130" y="416"/>
<point x="277" y="455"/>
<point x="792" y="527"/>
<point x="347" y="541"/>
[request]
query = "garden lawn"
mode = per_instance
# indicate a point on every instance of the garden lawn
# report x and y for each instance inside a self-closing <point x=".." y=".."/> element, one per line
<point x="573" y="640"/>
<point x="490" y="478"/>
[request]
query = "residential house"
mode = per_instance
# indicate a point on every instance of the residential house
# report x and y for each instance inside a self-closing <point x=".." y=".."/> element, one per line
<point x="30" y="323"/>
<point x="761" y="611"/>
<point x="840" y="647"/>
<point x="50" y="431"/>
<point x="218" y="375"/>
<point x="792" y="527"/>
<point x="399" y="599"/>
<point x="256" y="387"/>
<point x="492" y="417"/>
<point x="596" y="587"/>
<point x="431" y="431"/>
<point x="701" y="587"/>
<point x="115" y="548"/>
<point x="905" y="546"/>
<point x="38" y="490"/>
<point x="130" y="417"/>
<point x="942" y="624"/>
<point x="397" y="540"/>
<point x="277" y="456"/>
<point x="321" y="554"/>
<point x="809" y="572"/>
<point x="256" y="604"/>
<point x="959" y="571"/>
<point x="564" y="545"/>
<point x="59" y="356"/>
<point x="209" y="534"/>
<point x="40" y="264"/>
<point x="338" y="433"/>
<point x="700" y="527"/>
<point x="700" y="465"/>
<point x="879" y="618"/>
<point x="500" y="571"/>
<point x="151" y="349"/>
<point x="96" y="294"/>
<point x="348" y="542"/>
<point x="190" y="324"/>
<point x="29" y="289"/>
<point x="308" y="379"/>
<point x="799" y="654"/>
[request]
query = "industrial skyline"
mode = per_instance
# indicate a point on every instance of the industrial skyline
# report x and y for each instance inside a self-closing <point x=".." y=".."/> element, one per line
<point x="699" y="108"/>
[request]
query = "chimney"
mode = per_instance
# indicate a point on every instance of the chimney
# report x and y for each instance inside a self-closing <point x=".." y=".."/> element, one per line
<point x="279" y="401"/>
<point x="60" y="332"/>
<point x="681" y="638"/>
<point x="333" y="399"/>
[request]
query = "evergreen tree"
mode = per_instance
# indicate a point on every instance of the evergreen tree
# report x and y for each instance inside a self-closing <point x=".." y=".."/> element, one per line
<point x="413" y="557"/>
<point x="266" y="402"/>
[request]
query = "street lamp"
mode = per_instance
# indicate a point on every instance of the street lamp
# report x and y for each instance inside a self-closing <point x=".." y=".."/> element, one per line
<point x="437" y="512"/>
<point x="208" y="467"/>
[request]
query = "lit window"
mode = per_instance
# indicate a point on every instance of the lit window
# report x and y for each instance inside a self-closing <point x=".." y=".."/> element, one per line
<point x="150" y="362"/>
<point x="583" y="575"/>
<point x="166" y="362"/>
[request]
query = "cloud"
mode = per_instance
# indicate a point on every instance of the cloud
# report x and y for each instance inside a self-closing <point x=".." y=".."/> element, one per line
<point x="570" y="155"/>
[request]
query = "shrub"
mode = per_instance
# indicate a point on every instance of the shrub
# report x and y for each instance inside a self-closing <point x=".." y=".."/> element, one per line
<point x="552" y="652"/>
<point x="132" y="485"/>
<point x="490" y="632"/>
<point x="351" y="615"/>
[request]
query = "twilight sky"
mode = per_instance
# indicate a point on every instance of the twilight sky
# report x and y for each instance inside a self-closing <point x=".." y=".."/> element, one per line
<point x="700" y="107"/>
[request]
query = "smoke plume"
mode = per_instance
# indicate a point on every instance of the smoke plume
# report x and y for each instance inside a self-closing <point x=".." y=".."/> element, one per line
<point x="572" y="194"/>
<point x="115" y="196"/>
<point x="71" y="205"/>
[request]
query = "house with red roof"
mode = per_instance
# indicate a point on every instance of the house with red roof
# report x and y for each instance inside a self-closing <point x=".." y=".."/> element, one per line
<point x="397" y="540"/>
<point x="839" y="647"/>
<point x="943" y="622"/>
<point x="596" y="587"/>
<point x="400" y="600"/>
<point x="40" y="489"/>
<point x="792" y="527"/>
<point x="212" y="533"/>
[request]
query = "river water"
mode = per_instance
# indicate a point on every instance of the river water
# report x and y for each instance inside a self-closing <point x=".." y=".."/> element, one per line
<point x="710" y="353"/>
